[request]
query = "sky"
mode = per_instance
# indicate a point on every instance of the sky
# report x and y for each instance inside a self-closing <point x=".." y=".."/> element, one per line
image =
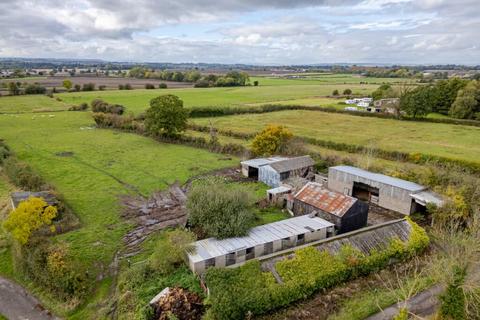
<point x="270" y="32"/>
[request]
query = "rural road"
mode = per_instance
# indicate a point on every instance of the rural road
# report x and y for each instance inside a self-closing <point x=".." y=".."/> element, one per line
<point x="423" y="304"/>
<point x="17" y="304"/>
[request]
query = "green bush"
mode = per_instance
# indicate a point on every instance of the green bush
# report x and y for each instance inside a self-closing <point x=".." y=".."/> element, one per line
<point x="221" y="209"/>
<point x="234" y="293"/>
<point x="22" y="175"/>
<point x="453" y="300"/>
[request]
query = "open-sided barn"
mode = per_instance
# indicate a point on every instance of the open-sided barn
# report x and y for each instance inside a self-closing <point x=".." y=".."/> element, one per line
<point x="388" y="192"/>
<point x="346" y="212"/>
<point x="260" y="241"/>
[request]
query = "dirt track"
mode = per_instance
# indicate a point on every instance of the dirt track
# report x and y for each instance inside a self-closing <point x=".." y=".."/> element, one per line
<point x="17" y="304"/>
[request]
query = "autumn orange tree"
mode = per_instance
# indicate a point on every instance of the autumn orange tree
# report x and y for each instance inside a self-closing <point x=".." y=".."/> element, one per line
<point x="29" y="216"/>
<point x="273" y="139"/>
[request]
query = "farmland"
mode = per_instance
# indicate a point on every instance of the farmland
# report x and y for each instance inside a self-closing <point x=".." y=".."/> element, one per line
<point x="103" y="165"/>
<point x="323" y="78"/>
<point x="30" y="103"/>
<point x="451" y="141"/>
<point x="137" y="100"/>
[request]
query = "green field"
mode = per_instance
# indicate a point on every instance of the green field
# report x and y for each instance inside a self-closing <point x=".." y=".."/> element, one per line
<point x="322" y="78"/>
<point x="104" y="165"/>
<point x="312" y="102"/>
<point x="452" y="141"/>
<point x="138" y="100"/>
<point x="30" y="103"/>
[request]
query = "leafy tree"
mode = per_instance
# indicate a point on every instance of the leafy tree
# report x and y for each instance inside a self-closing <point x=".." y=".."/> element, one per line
<point x="29" y="216"/>
<point x="467" y="103"/>
<point x="166" y="116"/>
<point x="219" y="208"/>
<point x="383" y="92"/>
<point x="273" y="139"/>
<point x="77" y="87"/>
<point x="170" y="252"/>
<point x="347" y="92"/>
<point x="67" y="84"/>
<point x="255" y="83"/>
<point x="418" y="102"/>
<point x="13" y="88"/>
<point x="446" y="93"/>
<point x="335" y="92"/>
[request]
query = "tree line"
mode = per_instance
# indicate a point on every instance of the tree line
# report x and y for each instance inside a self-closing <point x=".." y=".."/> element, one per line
<point x="455" y="97"/>
<point x="231" y="79"/>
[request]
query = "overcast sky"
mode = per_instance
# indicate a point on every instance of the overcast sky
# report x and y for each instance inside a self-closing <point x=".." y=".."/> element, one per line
<point x="244" y="31"/>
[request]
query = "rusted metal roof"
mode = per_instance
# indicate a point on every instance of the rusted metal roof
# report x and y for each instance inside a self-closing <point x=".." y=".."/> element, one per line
<point x="326" y="200"/>
<point x="18" y="197"/>
<point x="292" y="164"/>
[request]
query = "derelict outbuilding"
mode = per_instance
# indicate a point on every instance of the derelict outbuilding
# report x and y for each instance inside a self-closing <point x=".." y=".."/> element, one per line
<point x="260" y="241"/>
<point x="388" y="192"/>
<point x="346" y="212"/>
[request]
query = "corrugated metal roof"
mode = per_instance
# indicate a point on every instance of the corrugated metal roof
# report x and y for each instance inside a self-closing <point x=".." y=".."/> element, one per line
<point x="326" y="200"/>
<point x="292" y="164"/>
<point x="18" y="197"/>
<point x="399" y="183"/>
<point x="259" y="162"/>
<point x="278" y="190"/>
<point x="426" y="197"/>
<point x="211" y="247"/>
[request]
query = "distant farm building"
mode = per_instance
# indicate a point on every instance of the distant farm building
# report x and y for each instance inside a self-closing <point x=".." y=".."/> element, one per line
<point x="272" y="171"/>
<point x="346" y="212"/>
<point x="17" y="197"/>
<point x="260" y="241"/>
<point x="391" y="193"/>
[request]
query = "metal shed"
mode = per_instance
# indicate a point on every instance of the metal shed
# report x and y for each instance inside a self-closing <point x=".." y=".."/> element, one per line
<point x="260" y="241"/>
<point x="274" y="173"/>
<point x="385" y="191"/>
<point x="17" y="197"/>
<point x="346" y="212"/>
<point x="250" y="167"/>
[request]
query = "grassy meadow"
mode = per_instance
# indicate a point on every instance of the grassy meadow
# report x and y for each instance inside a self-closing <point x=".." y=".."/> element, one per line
<point x="137" y="100"/>
<point x="446" y="140"/>
<point x="30" y="103"/>
<point x="323" y="78"/>
<point x="104" y="165"/>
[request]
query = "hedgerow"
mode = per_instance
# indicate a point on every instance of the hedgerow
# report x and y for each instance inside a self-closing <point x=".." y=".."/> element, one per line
<point x="236" y="293"/>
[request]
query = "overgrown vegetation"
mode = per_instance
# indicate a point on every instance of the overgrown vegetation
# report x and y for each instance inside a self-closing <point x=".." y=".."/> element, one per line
<point x="235" y="293"/>
<point x="271" y="140"/>
<point x="220" y="209"/>
<point x="166" y="116"/>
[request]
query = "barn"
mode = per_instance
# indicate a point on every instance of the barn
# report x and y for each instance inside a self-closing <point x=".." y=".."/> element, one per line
<point x="272" y="171"/>
<point x="260" y="241"/>
<point x="388" y="192"/>
<point x="346" y="212"/>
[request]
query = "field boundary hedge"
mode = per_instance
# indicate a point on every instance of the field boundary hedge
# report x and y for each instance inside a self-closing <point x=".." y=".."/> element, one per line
<point x="203" y="112"/>
<point x="247" y="290"/>
<point x="414" y="157"/>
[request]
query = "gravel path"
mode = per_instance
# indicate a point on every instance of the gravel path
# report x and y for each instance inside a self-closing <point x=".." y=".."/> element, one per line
<point x="17" y="304"/>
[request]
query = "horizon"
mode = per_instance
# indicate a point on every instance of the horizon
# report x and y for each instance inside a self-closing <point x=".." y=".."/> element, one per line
<point x="271" y="33"/>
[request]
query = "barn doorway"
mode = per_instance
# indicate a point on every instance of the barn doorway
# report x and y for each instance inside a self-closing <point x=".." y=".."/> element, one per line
<point x="253" y="172"/>
<point x="365" y="192"/>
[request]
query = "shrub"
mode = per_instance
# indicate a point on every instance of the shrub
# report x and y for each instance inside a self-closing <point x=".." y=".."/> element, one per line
<point x="29" y="216"/>
<point x="127" y="86"/>
<point x="81" y="107"/>
<point x="335" y="92"/>
<point x="453" y="300"/>
<point x="88" y="86"/>
<point x="77" y="87"/>
<point x="121" y="87"/>
<point x="255" y="83"/>
<point x="35" y="89"/>
<point x="22" y="175"/>
<point x="222" y="210"/>
<point x="4" y="152"/>
<point x="149" y="86"/>
<point x="273" y="139"/>
<point x="162" y="86"/>
<point x="236" y="293"/>
<point x="347" y="92"/>
<point x="102" y="87"/>
<point x="166" y="116"/>
<point x="170" y="253"/>
<point x="99" y="105"/>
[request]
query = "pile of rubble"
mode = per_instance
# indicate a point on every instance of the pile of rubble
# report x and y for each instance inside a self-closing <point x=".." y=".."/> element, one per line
<point x="162" y="210"/>
<point x="177" y="303"/>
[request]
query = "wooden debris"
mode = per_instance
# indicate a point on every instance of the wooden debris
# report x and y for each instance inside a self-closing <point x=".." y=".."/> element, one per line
<point x="162" y="210"/>
<point x="178" y="303"/>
